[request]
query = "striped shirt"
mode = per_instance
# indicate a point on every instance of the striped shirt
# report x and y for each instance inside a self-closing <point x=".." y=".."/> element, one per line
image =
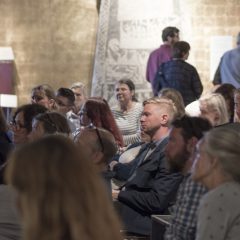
<point x="129" y="122"/>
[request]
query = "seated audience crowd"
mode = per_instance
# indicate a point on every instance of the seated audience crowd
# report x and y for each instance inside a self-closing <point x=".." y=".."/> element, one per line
<point x="73" y="167"/>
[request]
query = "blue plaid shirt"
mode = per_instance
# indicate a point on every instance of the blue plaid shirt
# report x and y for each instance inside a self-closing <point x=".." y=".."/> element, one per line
<point x="184" y="212"/>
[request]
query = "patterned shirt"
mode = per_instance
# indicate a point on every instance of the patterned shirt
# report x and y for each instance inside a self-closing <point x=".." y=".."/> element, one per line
<point x="129" y="123"/>
<point x="219" y="213"/>
<point x="181" y="76"/>
<point x="184" y="212"/>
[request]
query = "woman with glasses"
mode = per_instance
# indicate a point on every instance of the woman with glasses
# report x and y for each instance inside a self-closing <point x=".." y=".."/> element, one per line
<point x="217" y="167"/>
<point x="21" y="124"/>
<point x="49" y="123"/>
<point x="60" y="195"/>
<point x="96" y="111"/>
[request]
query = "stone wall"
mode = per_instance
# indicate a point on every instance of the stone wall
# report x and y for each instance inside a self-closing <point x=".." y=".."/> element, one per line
<point x="129" y="31"/>
<point x="53" y="41"/>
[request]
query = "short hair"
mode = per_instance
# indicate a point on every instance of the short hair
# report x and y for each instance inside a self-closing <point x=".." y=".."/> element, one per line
<point x="60" y="190"/>
<point x="29" y="112"/>
<point x="46" y="89"/>
<point x="169" y="32"/>
<point x="192" y="126"/>
<point x="79" y="85"/>
<point x="177" y="99"/>
<point x="165" y="104"/>
<point x="180" y="48"/>
<point x="130" y="85"/>
<point x="216" y="102"/>
<point x="54" y="122"/>
<point x="67" y="93"/>
<point x="223" y="143"/>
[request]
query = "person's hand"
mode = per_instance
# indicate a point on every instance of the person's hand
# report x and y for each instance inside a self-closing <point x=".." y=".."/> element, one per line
<point x="115" y="194"/>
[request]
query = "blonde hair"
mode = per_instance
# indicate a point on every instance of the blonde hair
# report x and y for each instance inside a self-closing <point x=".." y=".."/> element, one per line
<point x="61" y="196"/>
<point x="81" y="86"/>
<point x="165" y="104"/>
<point x="216" y="103"/>
<point x="223" y="143"/>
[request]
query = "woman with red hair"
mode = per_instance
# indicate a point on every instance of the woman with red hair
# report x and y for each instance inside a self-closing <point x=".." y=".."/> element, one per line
<point x="96" y="112"/>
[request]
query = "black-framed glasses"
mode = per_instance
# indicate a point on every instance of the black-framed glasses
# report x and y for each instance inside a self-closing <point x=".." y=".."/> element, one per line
<point x="17" y="125"/>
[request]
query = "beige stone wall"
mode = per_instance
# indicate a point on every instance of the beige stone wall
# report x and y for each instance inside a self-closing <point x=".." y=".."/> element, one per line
<point x="211" y="18"/>
<point x="53" y="41"/>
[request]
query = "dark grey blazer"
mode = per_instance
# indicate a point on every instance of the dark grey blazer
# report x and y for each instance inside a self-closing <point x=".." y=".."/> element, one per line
<point x="151" y="191"/>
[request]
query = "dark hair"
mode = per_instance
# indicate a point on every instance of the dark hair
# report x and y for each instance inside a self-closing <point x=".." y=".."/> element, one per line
<point x="227" y="91"/>
<point x="46" y="89"/>
<point x="67" y="93"/>
<point x="192" y="126"/>
<point x="180" y="49"/>
<point x="238" y="39"/>
<point x="130" y="85"/>
<point x="3" y="124"/>
<point x="53" y="122"/>
<point x="29" y="112"/>
<point x="169" y="32"/>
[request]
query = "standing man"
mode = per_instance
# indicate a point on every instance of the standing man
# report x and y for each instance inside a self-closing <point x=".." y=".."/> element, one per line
<point x="228" y="70"/>
<point x="179" y="152"/>
<point x="170" y="35"/>
<point x="151" y="188"/>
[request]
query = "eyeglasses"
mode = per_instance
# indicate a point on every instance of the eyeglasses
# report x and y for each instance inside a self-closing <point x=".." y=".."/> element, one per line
<point x="17" y="125"/>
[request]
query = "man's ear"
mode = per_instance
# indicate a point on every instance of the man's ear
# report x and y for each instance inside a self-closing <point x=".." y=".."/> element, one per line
<point x="164" y="119"/>
<point x="52" y="102"/>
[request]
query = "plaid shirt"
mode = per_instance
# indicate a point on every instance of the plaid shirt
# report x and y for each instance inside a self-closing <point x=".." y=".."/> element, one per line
<point x="181" y="76"/>
<point x="184" y="212"/>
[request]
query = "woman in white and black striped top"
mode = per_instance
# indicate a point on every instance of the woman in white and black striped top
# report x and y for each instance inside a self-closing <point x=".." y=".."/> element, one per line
<point x="127" y="113"/>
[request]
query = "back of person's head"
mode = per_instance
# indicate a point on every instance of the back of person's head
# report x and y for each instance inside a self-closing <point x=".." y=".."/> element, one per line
<point x="130" y="85"/>
<point x="61" y="196"/>
<point x="29" y="112"/>
<point x="215" y="103"/>
<point x="177" y="99"/>
<point x="100" y="144"/>
<point x="3" y="124"/>
<point x="169" y="32"/>
<point x="192" y="126"/>
<point x="100" y="114"/>
<point x="53" y="122"/>
<point x="67" y="93"/>
<point x="223" y="143"/>
<point x="165" y="105"/>
<point x="227" y="91"/>
<point x="180" y="48"/>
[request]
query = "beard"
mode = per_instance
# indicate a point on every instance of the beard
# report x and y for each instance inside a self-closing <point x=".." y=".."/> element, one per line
<point x="178" y="162"/>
